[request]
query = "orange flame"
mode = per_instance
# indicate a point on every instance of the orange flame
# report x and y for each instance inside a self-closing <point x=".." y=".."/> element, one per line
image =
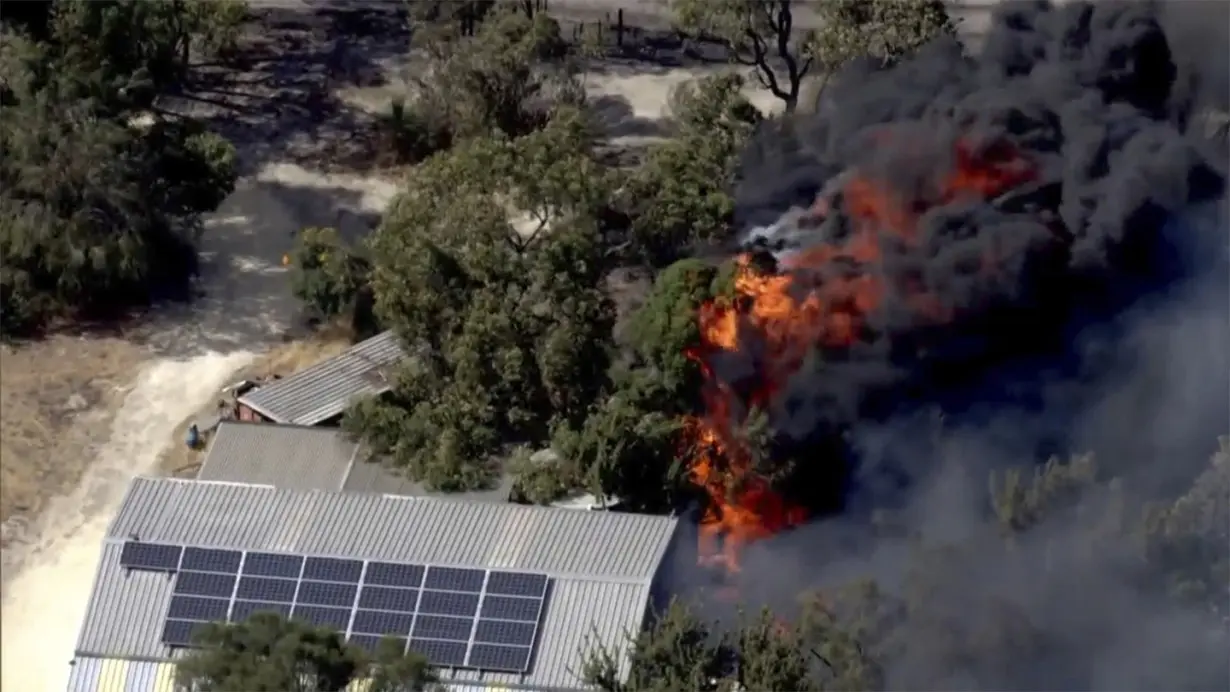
<point x="787" y="315"/>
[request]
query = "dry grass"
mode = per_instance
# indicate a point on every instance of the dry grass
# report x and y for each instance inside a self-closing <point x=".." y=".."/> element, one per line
<point x="57" y="397"/>
<point x="179" y="461"/>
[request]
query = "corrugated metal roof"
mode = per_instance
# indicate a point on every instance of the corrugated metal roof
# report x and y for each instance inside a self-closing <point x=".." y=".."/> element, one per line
<point x="602" y="564"/>
<point x="579" y="615"/>
<point x="372" y="476"/>
<point x="127" y="609"/>
<point x="324" y="390"/>
<point x="312" y="458"/>
<point x="287" y="456"/>
<point x="557" y="542"/>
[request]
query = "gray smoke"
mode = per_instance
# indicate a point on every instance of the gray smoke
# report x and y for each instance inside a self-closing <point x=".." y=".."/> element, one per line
<point x="1108" y="331"/>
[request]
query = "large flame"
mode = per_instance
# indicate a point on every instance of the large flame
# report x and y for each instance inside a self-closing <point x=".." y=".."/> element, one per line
<point x="819" y="297"/>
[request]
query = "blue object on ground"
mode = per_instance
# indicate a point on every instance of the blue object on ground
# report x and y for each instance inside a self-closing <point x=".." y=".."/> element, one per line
<point x="194" y="437"/>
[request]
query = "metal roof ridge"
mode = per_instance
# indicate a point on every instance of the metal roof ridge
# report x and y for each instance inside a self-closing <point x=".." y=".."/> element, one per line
<point x="509" y="506"/>
<point x="350" y="496"/>
<point x="580" y="577"/>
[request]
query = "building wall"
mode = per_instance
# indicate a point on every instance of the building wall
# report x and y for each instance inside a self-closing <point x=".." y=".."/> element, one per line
<point x="119" y="675"/>
<point x="247" y="415"/>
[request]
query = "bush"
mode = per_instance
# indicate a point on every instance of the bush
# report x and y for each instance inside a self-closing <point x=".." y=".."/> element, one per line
<point x="100" y="204"/>
<point x="329" y="276"/>
<point x="411" y="134"/>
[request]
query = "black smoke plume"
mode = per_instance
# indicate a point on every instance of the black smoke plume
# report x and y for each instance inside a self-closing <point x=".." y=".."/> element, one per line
<point x="1101" y="328"/>
<point x="1093" y="96"/>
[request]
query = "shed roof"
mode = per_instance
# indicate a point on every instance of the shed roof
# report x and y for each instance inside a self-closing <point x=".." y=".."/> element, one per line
<point x="602" y="564"/>
<point x="324" y="390"/>
<point x="311" y="458"/>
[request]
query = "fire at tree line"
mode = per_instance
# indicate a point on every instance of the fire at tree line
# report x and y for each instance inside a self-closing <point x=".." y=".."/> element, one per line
<point x="919" y="236"/>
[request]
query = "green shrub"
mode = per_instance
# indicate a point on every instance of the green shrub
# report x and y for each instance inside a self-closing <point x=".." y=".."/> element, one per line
<point x="327" y="274"/>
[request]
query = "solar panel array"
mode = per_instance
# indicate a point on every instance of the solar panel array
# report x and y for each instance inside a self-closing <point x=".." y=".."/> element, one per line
<point x="467" y="618"/>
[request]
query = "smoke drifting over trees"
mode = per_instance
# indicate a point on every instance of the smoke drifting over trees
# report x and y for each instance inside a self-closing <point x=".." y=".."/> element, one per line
<point x="962" y="262"/>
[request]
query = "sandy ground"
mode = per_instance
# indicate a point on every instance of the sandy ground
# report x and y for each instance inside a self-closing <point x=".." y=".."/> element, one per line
<point x="44" y="603"/>
<point x="181" y="363"/>
<point x="56" y="400"/>
<point x="180" y="461"/>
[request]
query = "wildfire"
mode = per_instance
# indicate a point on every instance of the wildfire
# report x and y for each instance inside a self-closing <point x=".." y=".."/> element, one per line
<point x="814" y="300"/>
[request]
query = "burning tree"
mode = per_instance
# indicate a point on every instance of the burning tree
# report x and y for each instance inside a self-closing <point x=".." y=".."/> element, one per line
<point x="945" y="221"/>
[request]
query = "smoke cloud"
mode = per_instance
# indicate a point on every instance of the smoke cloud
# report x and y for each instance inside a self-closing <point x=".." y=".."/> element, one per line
<point x="1083" y="306"/>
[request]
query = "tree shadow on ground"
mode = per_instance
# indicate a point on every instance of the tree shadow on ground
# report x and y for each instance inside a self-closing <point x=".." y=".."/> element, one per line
<point x="282" y="102"/>
<point x="617" y="118"/>
<point x="244" y="298"/>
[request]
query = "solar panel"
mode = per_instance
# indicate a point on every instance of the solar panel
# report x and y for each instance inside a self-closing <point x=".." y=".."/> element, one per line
<point x="196" y="608"/>
<point x="333" y="618"/>
<point x="333" y="569"/>
<point x="388" y="598"/>
<point x="453" y="579"/>
<point x="440" y="627"/>
<point x="511" y="608"/>
<point x="155" y="557"/>
<point x="211" y="560"/>
<point x="245" y="609"/>
<point x="517" y="584"/>
<point x="448" y="603"/>
<point x="382" y="622"/>
<point x="514" y="659"/>
<point x="267" y="589"/>
<point x="445" y="613"/>
<point x="180" y="633"/>
<point x="326" y="593"/>
<point x="273" y="565"/>
<point x="394" y="574"/>
<point x="204" y="584"/>
<point x="440" y="653"/>
<point x="505" y="632"/>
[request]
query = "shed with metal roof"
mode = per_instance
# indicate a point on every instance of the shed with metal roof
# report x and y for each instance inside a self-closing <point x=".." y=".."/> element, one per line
<point x="601" y="566"/>
<point x="323" y="391"/>
<point x="312" y="458"/>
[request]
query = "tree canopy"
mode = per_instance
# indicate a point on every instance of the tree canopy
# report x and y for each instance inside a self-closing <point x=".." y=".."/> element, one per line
<point x="785" y="42"/>
<point x="267" y="653"/>
<point x="507" y="315"/>
<point x="101" y="198"/>
<point x="680" y="197"/>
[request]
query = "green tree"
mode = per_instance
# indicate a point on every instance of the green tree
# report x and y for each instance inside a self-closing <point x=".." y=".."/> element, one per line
<point x="681" y="651"/>
<point x="773" y="656"/>
<point x="269" y="653"/>
<point x="509" y="77"/>
<point x="628" y="445"/>
<point x="680" y="195"/>
<point x="392" y="669"/>
<point x="883" y="30"/>
<point x="847" y="630"/>
<point x="666" y="326"/>
<point x="332" y="278"/>
<point x="138" y="50"/>
<point x="1187" y="541"/>
<point x="1023" y="500"/>
<point x="512" y="317"/>
<point x="96" y="213"/>
<point x="100" y="201"/>
<point x="785" y="41"/>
